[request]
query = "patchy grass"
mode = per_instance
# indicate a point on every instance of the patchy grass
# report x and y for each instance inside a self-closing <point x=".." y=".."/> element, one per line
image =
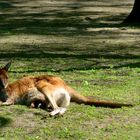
<point x="84" y="43"/>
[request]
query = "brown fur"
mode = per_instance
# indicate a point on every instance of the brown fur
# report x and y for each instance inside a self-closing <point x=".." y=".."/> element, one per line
<point x="47" y="90"/>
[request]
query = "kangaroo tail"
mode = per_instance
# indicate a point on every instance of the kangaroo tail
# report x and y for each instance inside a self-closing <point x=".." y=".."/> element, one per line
<point x="80" y="99"/>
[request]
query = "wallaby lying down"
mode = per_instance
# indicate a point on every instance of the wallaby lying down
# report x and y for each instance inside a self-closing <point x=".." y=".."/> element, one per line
<point x="44" y="91"/>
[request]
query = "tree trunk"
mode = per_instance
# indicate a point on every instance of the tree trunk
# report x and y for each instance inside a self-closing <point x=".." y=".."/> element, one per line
<point x="134" y="16"/>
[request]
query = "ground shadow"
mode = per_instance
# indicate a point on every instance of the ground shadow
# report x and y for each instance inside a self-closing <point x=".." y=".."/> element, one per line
<point x="67" y="19"/>
<point x="4" y="121"/>
<point x="63" y="59"/>
<point x="17" y="17"/>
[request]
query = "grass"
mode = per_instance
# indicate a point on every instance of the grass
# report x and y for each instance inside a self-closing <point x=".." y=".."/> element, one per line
<point x="85" y="44"/>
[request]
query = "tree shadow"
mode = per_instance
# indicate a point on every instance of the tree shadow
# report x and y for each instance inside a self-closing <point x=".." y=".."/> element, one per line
<point x="52" y="58"/>
<point x="70" y="19"/>
<point x="130" y="65"/>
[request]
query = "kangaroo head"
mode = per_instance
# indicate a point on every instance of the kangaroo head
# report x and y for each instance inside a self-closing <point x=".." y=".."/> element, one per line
<point x="4" y="76"/>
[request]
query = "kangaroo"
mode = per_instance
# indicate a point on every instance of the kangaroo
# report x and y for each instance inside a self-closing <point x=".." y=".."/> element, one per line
<point x="45" y="90"/>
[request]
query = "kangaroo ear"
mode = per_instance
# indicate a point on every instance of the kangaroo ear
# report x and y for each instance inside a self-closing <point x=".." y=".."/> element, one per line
<point x="7" y="66"/>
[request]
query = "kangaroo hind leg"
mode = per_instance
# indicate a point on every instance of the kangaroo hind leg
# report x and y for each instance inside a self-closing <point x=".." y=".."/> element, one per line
<point x="59" y="99"/>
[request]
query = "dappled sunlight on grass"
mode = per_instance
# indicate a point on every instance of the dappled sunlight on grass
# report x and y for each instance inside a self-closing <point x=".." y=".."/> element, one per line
<point x="83" y="42"/>
<point x="57" y="34"/>
<point x="55" y="17"/>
